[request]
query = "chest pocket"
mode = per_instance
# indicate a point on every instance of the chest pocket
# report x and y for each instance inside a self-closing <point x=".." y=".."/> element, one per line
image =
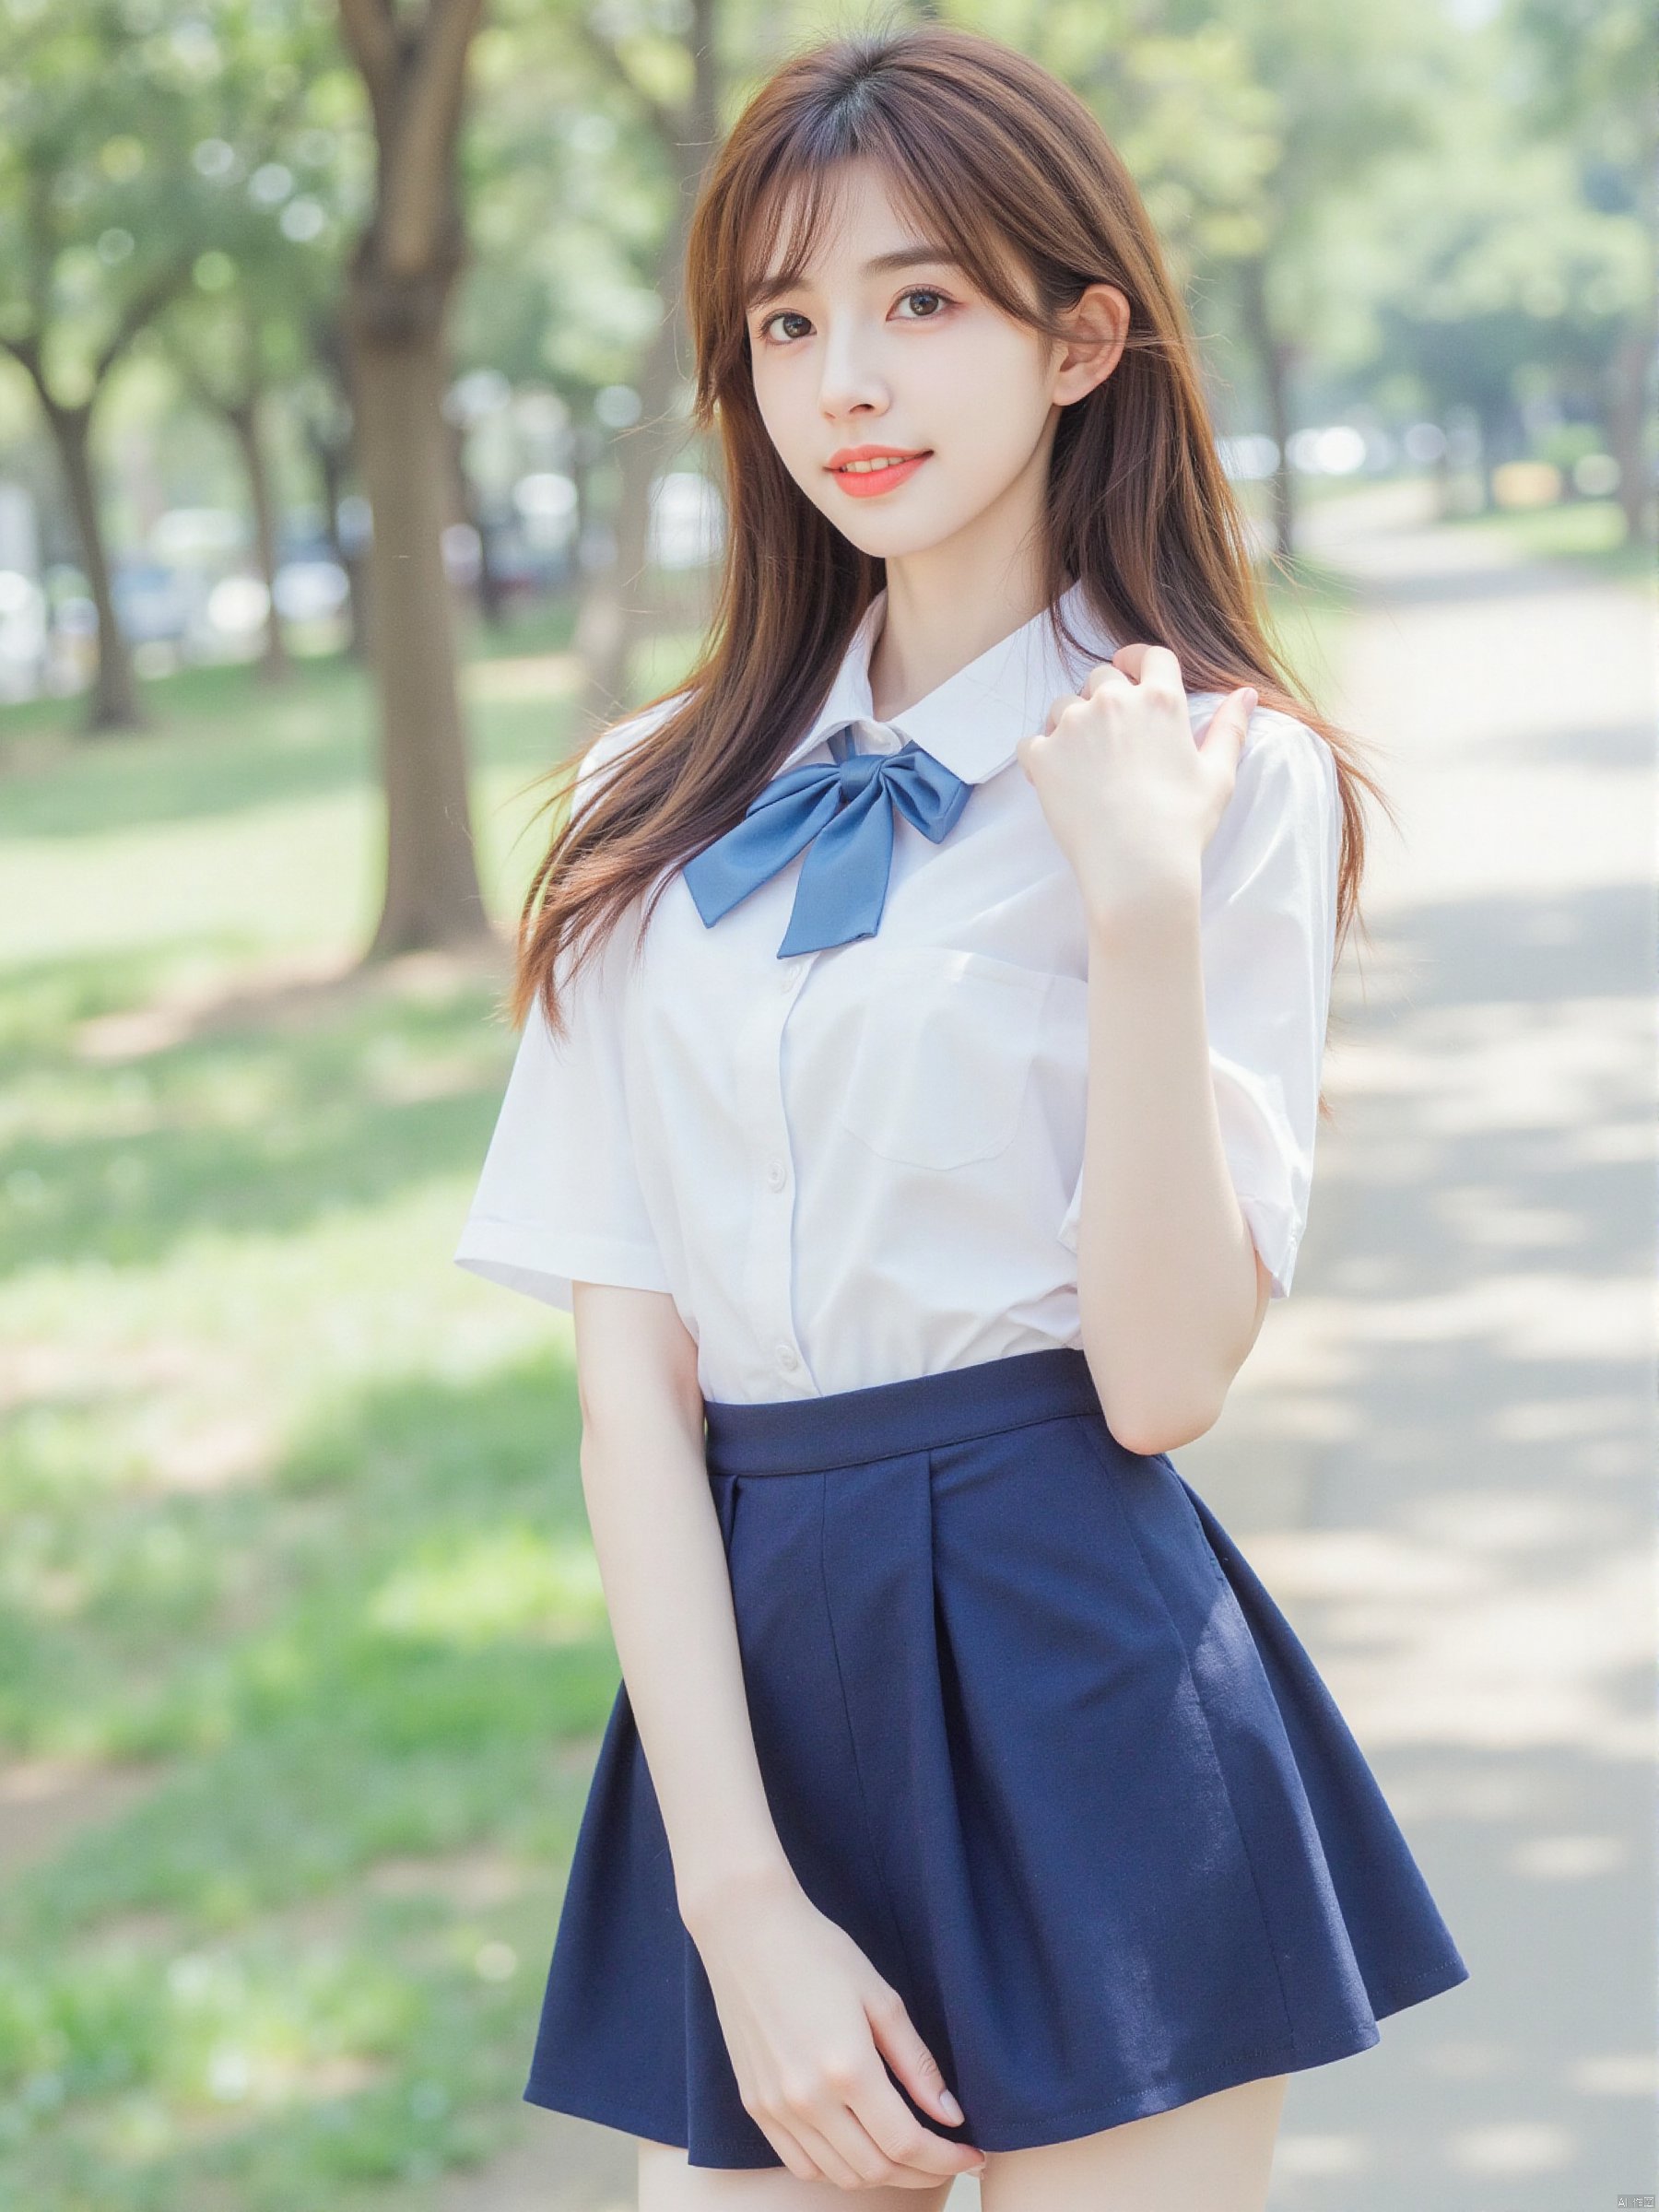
<point x="943" y="1050"/>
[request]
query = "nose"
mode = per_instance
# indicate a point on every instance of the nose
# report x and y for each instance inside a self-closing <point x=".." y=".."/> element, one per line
<point x="847" y="379"/>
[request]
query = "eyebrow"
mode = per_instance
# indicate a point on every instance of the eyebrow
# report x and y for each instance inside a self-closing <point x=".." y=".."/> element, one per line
<point x="900" y="257"/>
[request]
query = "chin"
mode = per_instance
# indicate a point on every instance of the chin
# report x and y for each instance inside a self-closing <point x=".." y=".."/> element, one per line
<point x="902" y="535"/>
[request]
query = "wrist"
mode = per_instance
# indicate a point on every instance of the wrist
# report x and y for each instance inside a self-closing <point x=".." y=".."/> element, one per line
<point x="1166" y="907"/>
<point x="712" y="1896"/>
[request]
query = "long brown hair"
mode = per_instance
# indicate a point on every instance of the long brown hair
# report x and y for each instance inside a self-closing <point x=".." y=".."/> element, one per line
<point x="1004" y="167"/>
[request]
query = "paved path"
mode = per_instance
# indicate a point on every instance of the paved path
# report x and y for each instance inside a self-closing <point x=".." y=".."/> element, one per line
<point x="1440" y="1459"/>
<point x="1438" y="1456"/>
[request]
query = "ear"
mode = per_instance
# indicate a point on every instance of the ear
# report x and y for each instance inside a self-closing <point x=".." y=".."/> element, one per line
<point x="1099" y="325"/>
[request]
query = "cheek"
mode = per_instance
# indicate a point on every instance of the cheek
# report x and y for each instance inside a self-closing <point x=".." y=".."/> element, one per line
<point x="992" y="396"/>
<point x="987" y="429"/>
<point x="786" y="418"/>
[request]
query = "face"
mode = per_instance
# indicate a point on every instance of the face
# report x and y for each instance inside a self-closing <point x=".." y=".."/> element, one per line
<point x="888" y="347"/>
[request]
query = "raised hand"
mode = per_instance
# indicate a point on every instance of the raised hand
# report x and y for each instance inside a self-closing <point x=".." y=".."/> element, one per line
<point x="1131" y="799"/>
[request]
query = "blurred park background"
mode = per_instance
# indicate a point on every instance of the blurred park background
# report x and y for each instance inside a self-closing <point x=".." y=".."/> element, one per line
<point x="345" y="478"/>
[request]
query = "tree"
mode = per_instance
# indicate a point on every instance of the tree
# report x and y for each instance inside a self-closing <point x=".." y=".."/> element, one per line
<point x="223" y="358"/>
<point x="100" y="218"/>
<point x="139" y="179"/>
<point x="683" y="129"/>
<point x="321" y="405"/>
<point x="1327" y="95"/>
<point x="240" y="332"/>
<point x="1595" y="83"/>
<point x="401" y="277"/>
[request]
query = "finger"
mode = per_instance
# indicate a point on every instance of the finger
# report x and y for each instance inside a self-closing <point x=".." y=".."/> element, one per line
<point x="1057" y="707"/>
<point x="825" y="2155"/>
<point x="789" y="2150"/>
<point x="1105" y="676"/>
<point x="1153" y="666"/>
<point x="1224" y="736"/>
<point x="1140" y="661"/>
<point x="901" y="2043"/>
<point x="900" y="2136"/>
<point x="860" y="2145"/>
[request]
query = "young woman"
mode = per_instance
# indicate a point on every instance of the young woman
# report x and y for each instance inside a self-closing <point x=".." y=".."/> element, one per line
<point x="915" y="1107"/>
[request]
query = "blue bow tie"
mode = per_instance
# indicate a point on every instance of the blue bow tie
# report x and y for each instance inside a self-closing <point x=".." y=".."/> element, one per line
<point x="843" y="810"/>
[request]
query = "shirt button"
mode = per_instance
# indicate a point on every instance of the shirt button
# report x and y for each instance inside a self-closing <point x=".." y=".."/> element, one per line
<point x="786" y="981"/>
<point x="787" y="1356"/>
<point x="775" y="1174"/>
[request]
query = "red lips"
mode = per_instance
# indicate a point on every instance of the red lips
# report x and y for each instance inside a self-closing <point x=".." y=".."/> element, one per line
<point x="874" y="452"/>
<point x="868" y="484"/>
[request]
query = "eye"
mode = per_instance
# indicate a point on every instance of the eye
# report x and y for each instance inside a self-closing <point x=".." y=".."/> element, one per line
<point x="917" y="291"/>
<point x="779" y="315"/>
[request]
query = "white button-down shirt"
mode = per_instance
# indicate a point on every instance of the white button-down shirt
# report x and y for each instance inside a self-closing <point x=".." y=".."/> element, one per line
<point x="864" y="1163"/>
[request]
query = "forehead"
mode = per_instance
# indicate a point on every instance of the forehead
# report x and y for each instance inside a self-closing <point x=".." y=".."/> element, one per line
<point x="854" y="210"/>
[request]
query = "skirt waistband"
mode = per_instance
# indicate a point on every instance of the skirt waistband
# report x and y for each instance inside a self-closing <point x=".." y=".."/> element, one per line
<point x="801" y="1436"/>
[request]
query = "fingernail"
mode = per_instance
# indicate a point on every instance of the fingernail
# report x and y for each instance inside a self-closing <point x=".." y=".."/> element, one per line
<point x="1250" y="695"/>
<point x="952" y="2110"/>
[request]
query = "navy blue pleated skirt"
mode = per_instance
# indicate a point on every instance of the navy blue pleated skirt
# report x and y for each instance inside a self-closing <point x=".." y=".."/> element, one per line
<point x="1036" y="1737"/>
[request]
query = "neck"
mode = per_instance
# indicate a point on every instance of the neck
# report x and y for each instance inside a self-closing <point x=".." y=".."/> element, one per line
<point x="948" y="604"/>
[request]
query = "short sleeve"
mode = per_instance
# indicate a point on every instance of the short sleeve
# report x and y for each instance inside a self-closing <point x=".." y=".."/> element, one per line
<point x="558" y="1198"/>
<point x="1268" y="925"/>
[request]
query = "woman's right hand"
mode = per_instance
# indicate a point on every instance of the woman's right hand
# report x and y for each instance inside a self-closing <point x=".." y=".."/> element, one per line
<point x="807" y="2021"/>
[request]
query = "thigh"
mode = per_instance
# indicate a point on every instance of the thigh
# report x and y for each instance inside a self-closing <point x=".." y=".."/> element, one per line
<point x="1216" y="2151"/>
<point x="667" y="2183"/>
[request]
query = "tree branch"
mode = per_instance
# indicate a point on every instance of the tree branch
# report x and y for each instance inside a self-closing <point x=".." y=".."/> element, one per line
<point x="26" y="352"/>
<point x="371" y="31"/>
<point x="144" y="306"/>
<point x="666" y="120"/>
<point x="38" y="217"/>
<point x="194" y="378"/>
<point x="418" y="178"/>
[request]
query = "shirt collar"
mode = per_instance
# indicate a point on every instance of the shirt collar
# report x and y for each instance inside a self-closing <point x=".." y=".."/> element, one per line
<point x="974" y="720"/>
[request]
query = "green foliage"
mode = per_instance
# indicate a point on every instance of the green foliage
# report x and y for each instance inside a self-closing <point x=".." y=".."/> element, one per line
<point x="119" y="124"/>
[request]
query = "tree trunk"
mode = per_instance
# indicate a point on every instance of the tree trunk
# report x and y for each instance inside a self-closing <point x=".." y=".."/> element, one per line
<point x="1494" y="419"/>
<point x="244" y="420"/>
<point x="1272" y="366"/>
<point x="331" y="445"/>
<point x="489" y="592"/>
<point x="615" y="614"/>
<point x="1629" y="387"/>
<point x="580" y="468"/>
<point x="1626" y="421"/>
<point x="114" y="703"/>
<point x="331" y="470"/>
<point x="398" y="380"/>
<point x="401" y="275"/>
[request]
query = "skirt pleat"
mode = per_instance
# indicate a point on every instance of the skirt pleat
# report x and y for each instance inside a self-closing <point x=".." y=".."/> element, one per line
<point x="1035" y="1735"/>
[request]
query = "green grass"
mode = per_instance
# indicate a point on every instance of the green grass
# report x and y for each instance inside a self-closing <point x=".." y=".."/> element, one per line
<point x="1587" y="533"/>
<point x="293" y="1532"/>
<point x="293" y="1528"/>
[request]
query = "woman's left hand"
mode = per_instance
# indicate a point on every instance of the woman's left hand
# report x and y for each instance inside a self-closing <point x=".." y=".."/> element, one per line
<point x="1132" y="800"/>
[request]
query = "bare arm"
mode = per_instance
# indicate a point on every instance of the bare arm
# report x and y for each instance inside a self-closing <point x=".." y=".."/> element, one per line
<point x="1170" y="1291"/>
<point x="1170" y="1288"/>
<point x="806" y="2018"/>
<point x="667" y="1589"/>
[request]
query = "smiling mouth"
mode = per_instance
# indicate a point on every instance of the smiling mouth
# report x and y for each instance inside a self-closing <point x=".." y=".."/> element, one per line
<point x="875" y="468"/>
